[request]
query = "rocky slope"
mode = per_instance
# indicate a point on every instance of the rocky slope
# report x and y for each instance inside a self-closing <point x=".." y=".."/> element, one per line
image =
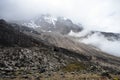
<point x="66" y="42"/>
<point x="20" y="51"/>
<point x="23" y="49"/>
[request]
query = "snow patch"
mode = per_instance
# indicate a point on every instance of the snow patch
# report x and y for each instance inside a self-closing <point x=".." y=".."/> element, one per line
<point x="31" y="24"/>
<point x="50" y="19"/>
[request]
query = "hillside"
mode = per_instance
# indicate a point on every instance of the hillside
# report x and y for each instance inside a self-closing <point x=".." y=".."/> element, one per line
<point x="25" y="52"/>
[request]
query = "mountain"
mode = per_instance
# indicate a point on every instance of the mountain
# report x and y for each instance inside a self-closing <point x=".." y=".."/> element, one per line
<point x="108" y="35"/>
<point x="62" y="25"/>
<point x="18" y="51"/>
<point x="48" y="23"/>
<point x="24" y="51"/>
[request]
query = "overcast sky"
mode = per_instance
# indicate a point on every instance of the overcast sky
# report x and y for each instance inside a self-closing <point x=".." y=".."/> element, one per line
<point x="93" y="14"/>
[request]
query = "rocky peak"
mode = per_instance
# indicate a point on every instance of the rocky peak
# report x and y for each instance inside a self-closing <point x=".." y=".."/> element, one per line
<point x="48" y="23"/>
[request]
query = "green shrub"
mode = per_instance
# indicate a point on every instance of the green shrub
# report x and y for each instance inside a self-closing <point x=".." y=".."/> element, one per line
<point x="115" y="79"/>
<point x="77" y="66"/>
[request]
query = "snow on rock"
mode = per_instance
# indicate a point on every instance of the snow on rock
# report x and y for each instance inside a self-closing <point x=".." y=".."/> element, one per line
<point x="50" y="19"/>
<point x="31" y="24"/>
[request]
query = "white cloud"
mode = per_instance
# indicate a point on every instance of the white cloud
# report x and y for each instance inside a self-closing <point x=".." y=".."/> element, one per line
<point x="99" y="41"/>
<point x="111" y="47"/>
<point x="103" y="15"/>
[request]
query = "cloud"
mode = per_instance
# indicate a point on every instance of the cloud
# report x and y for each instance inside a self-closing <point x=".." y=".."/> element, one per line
<point x="102" y="15"/>
<point x="98" y="40"/>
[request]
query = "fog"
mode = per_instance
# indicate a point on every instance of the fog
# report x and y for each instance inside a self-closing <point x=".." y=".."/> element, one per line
<point x="99" y="41"/>
<point x="102" y="15"/>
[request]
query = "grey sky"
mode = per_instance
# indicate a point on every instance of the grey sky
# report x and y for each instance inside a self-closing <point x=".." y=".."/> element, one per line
<point x="101" y="15"/>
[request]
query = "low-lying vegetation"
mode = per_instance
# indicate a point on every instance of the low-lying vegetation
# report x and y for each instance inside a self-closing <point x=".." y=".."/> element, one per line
<point x="76" y="67"/>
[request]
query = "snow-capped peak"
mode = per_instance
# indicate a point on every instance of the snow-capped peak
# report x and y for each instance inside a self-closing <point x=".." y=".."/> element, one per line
<point x="31" y="24"/>
<point x="50" y="19"/>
